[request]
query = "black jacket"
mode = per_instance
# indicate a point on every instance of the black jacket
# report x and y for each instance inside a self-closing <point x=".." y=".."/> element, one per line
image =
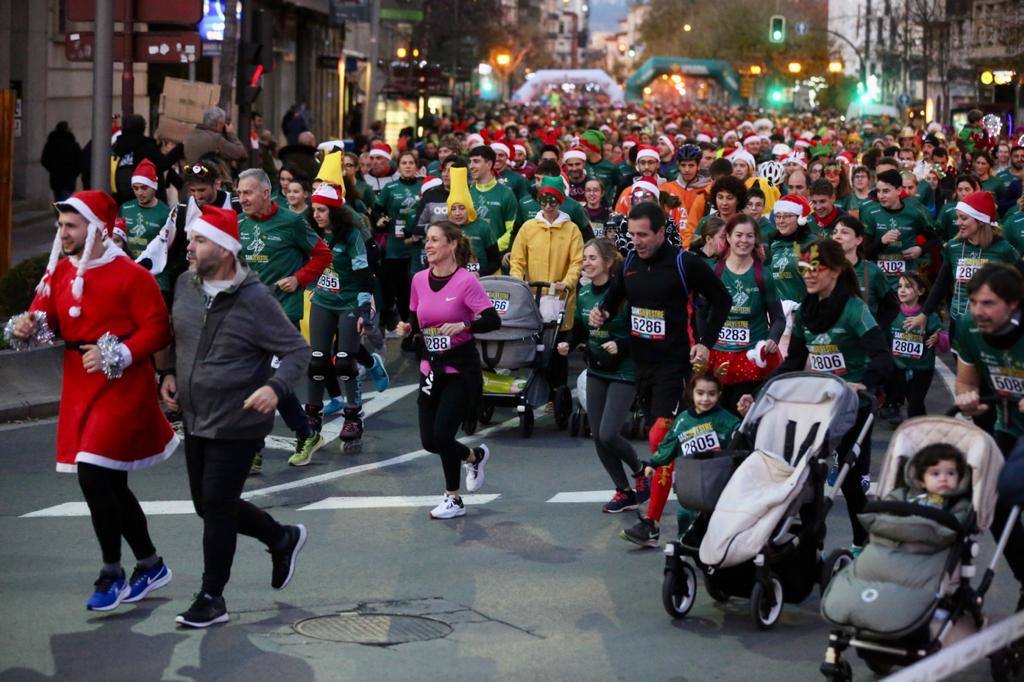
<point x="62" y="159"/>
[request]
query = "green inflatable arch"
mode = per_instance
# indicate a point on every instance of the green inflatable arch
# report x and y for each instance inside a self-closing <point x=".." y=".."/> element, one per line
<point x="717" y="69"/>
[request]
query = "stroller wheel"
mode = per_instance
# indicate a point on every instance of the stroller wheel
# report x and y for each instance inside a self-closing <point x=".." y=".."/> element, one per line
<point x="713" y="591"/>
<point x="563" y="406"/>
<point x="876" y="666"/>
<point x="838" y="672"/>
<point x="574" y="423"/>
<point x="469" y="423"/>
<point x="526" y="423"/>
<point x="835" y="561"/>
<point x="766" y="604"/>
<point x="486" y="414"/>
<point x="679" y="589"/>
<point x="1008" y="664"/>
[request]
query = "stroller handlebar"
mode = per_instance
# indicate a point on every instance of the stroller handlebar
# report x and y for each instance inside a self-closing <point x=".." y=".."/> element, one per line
<point x="985" y="400"/>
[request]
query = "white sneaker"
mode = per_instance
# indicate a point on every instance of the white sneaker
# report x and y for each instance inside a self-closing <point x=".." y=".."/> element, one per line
<point x="475" y="471"/>
<point x="448" y="509"/>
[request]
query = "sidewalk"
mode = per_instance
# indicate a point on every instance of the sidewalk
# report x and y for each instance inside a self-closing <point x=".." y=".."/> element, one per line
<point x="32" y="232"/>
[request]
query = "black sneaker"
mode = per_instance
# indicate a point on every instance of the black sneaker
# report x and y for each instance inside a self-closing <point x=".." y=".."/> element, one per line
<point x="644" y="533"/>
<point x="284" y="559"/>
<point x="205" y="611"/>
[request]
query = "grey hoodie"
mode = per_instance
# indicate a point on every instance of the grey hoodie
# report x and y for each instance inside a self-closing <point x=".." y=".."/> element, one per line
<point x="222" y="354"/>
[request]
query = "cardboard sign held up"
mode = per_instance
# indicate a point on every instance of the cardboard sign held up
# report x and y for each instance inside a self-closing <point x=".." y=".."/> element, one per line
<point x="186" y="100"/>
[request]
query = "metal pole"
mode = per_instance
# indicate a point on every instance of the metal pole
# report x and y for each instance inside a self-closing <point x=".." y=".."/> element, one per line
<point x="245" y="34"/>
<point x="371" y="93"/>
<point x="127" y="66"/>
<point x="102" y="93"/>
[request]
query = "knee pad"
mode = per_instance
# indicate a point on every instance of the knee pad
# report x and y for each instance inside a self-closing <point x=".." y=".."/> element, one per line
<point x="657" y="433"/>
<point x="319" y="366"/>
<point x="345" y="365"/>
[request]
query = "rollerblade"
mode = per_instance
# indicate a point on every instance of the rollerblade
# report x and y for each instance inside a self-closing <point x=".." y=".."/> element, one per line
<point x="315" y="415"/>
<point x="352" y="431"/>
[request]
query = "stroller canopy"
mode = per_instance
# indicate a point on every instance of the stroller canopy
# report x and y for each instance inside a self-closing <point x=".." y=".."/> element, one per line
<point x="516" y="306"/>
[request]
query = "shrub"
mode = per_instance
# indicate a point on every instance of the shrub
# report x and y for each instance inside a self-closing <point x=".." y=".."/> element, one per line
<point x="18" y="287"/>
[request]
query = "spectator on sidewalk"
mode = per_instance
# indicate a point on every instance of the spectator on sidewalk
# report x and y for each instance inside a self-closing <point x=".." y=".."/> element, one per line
<point x="61" y="159"/>
<point x="214" y="136"/>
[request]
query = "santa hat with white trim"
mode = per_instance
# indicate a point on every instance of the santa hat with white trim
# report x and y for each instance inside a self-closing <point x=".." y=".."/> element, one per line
<point x="99" y="210"/>
<point x="667" y="141"/>
<point x="646" y="151"/>
<point x="501" y="147"/>
<point x="429" y="183"/>
<point x="645" y="186"/>
<point x="795" y="157"/>
<point x="220" y="226"/>
<point x="752" y="139"/>
<point x="793" y="204"/>
<point x="474" y="140"/>
<point x="328" y="195"/>
<point x="979" y="205"/>
<point x="381" y="149"/>
<point x="578" y="154"/>
<point x="145" y="174"/>
<point x="119" y="229"/>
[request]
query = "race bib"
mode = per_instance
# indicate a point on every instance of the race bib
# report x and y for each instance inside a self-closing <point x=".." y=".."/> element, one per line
<point x="473" y="267"/>
<point x="500" y="301"/>
<point x="827" y="359"/>
<point x="598" y="230"/>
<point x="1007" y="381"/>
<point x="907" y="345"/>
<point x="647" y="323"/>
<point x="691" y="444"/>
<point x="435" y="342"/>
<point x="329" y="282"/>
<point x="892" y="266"/>
<point x="967" y="267"/>
<point x="735" y="333"/>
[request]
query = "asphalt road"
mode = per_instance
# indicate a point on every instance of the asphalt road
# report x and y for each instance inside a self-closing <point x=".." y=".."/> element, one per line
<point x="525" y="588"/>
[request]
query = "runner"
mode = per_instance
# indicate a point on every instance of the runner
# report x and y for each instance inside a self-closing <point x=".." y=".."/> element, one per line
<point x="611" y="380"/>
<point x="689" y="185"/>
<point x="965" y="184"/>
<point x="894" y="227"/>
<point x="834" y="330"/>
<point x="394" y="214"/>
<point x="227" y="392"/>
<point x="825" y="213"/>
<point x="875" y="289"/>
<point x="484" y="258"/>
<point x="592" y="142"/>
<point x="506" y="175"/>
<point x="495" y="203"/>
<point x="448" y="307"/>
<point x="913" y="351"/>
<point x="596" y="208"/>
<point x="145" y="214"/>
<point x="792" y="237"/>
<point x="656" y="283"/>
<point x="112" y="318"/>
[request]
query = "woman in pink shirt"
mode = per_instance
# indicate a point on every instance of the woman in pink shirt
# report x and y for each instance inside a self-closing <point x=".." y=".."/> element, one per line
<point x="447" y="307"/>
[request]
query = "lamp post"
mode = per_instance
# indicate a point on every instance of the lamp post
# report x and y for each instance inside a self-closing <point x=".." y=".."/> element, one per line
<point x="575" y="37"/>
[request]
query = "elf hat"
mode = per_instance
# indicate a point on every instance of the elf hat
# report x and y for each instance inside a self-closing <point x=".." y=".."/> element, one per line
<point x="593" y="140"/>
<point x="552" y="186"/>
<point x="458" y="179"/>
<point x="793" y="204"/>
<point x="99" y="210"/>
<point x="220" y="226"/>
<point x="331" y="169"/>
<point x="979" y="205"/>
<point x="328" y="195"/>
<point x="646" y="151"/>
<point x="381" y="149"/>
<point x="145" y="174"/>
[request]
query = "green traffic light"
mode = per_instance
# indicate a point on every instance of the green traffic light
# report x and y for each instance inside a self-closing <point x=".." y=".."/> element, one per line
<point x="776" y="95"/>
<point x="777" y="36"/>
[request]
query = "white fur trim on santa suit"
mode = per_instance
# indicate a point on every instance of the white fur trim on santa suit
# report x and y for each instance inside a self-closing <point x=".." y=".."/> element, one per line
<point x="964" y="207"/>
<point x="108" y="463"/>
<point x="788" y="207"/>
<point x="501" y="147"/>
<point x="646" y="186"/>
<point x="578" y="154"/>
<point x="214" y="234"/>
<point x="142" y="180"/>
<point x="648" y="154"/>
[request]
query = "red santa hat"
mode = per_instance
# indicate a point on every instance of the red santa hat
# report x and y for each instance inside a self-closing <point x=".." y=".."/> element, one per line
<point x="796" y="158"/>
<point x="752" y="138"/>
<point x="576" y="154"/>
<point x="119" y="229"/>
<point x="646" y="151"/>
<point x="381" y="149"/>
<point x="630" y="142"/>
<point x="501" y="147"/>
<point x="793" y="204"/>
<point x="520" y="147"/>
<point x="979" y="205"/>
<point x="220" y="226"/>
<point x="667" y="141"/>
<point x="429" y="183"/>
<point x="703" y="137"/>
<point x="801" y="144"/>
<point x="145" y="174"/>
<point x="645" y="186"/>
<point x="327" y="194"/>
<point x="474" y="140"/>
<point x="99" y="210"/>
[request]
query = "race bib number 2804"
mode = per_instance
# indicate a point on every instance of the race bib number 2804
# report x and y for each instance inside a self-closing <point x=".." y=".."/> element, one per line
<point x="647" y="323"/>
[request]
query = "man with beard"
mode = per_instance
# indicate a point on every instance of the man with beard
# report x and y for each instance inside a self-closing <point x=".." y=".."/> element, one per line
<point x="506" y="176"/>
<point x="575" y="161"/>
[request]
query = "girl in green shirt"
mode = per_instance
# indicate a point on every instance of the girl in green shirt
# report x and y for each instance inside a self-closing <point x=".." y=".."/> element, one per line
<point x="875" y="289"/>
<point x="913" y="349"/>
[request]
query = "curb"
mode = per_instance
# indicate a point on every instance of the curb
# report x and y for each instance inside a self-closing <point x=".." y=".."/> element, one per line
<point x="32" y="381"/>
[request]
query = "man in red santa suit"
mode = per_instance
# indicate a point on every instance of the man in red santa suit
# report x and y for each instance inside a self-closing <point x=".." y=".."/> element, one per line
<point x="112" y="318"/>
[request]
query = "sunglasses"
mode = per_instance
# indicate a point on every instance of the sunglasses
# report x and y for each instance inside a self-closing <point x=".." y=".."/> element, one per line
<point x="809" y="268"/>
<point x="547" y="199"/>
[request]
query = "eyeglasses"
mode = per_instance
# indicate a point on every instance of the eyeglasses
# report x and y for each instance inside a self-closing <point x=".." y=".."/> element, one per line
<point x="547" y="199"/>
<point x="807" y="269"/>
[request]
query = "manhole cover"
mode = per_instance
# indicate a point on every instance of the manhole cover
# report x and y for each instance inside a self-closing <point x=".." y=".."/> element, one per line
<point x="372" y="628"/>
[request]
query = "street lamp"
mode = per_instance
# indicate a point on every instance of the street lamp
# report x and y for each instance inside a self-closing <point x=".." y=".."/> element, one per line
<point x="503" y="59"/>
<point x="687" y="28"/>
<point x="795" y="67"/>
<point x="401" y="53"/>
<point x="835" y="67"/>
<point x="755" y="70"/>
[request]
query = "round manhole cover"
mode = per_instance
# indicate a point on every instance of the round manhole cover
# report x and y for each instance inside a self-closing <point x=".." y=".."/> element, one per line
<point x="372" y="628"/>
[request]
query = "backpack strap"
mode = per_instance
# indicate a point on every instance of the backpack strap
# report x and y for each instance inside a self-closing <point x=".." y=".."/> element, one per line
<point x="682" y="272"/>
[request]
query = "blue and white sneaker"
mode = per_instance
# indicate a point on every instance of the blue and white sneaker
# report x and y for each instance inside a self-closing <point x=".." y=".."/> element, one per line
<point x="333" y="407"/>
<point x="379" y="374"/>
<point x="111" y="589"/>
<point x="144" y="581"/>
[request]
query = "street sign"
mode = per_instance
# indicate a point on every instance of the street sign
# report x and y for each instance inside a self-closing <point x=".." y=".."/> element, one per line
<point x="903" y="100"/>
<point x="149" y="48"/>
<point x="800" y="28"/>
<point x="178" y="12"/>
<point x="343" y="11"/>
<point x="406" y="11"/>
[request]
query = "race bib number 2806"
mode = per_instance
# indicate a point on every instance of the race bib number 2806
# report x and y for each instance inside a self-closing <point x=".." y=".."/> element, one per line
<point x="647" y="323"/>
<point x="827" y="358"/>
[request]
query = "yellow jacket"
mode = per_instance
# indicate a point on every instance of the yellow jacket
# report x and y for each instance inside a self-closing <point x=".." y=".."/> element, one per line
<point x="544" y="252"/>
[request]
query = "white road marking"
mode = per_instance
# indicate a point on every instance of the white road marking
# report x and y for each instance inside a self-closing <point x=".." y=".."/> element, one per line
<point x="373" y="403"/>
<point x="588" y="497"/>
<point x="390" y="502"/>
<point x="947" y="376"/>
<point x="155" y="508"/>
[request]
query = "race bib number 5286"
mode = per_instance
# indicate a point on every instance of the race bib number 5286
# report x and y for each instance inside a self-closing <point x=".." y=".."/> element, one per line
<point x="647" y="323"/>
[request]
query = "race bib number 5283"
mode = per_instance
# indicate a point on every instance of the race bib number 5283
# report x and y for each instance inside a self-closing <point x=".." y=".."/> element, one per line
<point x="647" y="323"/>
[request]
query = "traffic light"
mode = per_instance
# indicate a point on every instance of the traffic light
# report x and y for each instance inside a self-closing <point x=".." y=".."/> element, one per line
<point x="257" y="56"/>
<point x="775" y="95"/>
<point x="777" y="29"/>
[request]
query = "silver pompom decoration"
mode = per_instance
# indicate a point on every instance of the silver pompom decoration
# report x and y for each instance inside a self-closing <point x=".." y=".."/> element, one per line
<point x="43" y="335"/>
<point x="992" y="124"/>
<point x="110" y="351"/>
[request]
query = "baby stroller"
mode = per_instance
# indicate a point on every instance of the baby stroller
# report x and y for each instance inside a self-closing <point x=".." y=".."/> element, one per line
<point x="530" y="319"/>
<point x="761" y="506"/>
<point x="909" y="593"/>
<point x="579" y="423"/>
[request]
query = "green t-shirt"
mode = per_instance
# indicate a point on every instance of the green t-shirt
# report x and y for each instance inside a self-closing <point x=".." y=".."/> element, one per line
<point x="693" y="433"/>
<point x="609" y="175"/>
<point x="275" y="248"/>
<point x="1013" y="228"/>
<point x="496" y="205"/>
<point x="480" y="239"/>
<point x="515" y="182"/>
<point x="143" y="224"/>
<point x="995" y="184"/>
<point x="767" y="230"/>
<point x="851" y="202"/>
<point x="909" y="221"/>
<point x="838" y="350"/>
<point x="337" y="288"/>
<point x="1001" y="371"/>
<point x="747" y="322"/>
<point x="783" y="257"/>
<point x="873" y="282"/>
<point x="947" y="221"/>
<point x="398" y="200"/>
<point x="965" y="259"/>
<point x="908" y="348"/>
<point x="615" y="329"/>
<point x="926" y="195"/>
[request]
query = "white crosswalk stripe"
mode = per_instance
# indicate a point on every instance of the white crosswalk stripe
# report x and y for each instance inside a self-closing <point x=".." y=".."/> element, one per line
<point x="391" y="502"/>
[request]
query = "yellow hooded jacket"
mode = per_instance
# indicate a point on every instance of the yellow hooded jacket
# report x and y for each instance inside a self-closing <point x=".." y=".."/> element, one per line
<point x="549" y="252"/>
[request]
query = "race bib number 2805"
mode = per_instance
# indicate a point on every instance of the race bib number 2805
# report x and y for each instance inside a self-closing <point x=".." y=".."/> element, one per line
<point x="647" y="323"/>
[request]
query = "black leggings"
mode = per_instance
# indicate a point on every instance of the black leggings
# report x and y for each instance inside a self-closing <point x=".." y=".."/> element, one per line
<point x="330" y="330"/>
<point x="217" y="470"/>
<point x="911" y="386"/>
<point x="852" y="487"/>
<point x="395" y="287"/>
<point x="115" y="512"/>
<point x="444" y="402"/>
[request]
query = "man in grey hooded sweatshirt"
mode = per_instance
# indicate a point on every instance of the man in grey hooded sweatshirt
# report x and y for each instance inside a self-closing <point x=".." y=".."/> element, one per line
<point x="227" y="327"/>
